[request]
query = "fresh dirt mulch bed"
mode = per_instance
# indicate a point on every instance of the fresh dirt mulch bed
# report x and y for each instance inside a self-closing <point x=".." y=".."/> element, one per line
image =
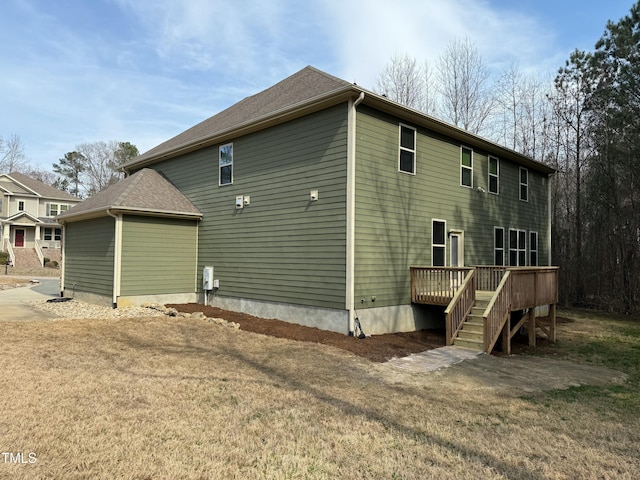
<point x="376" y="348"/>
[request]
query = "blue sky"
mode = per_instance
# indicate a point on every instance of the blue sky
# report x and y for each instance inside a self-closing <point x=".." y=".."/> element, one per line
<point x="77" y="71"/>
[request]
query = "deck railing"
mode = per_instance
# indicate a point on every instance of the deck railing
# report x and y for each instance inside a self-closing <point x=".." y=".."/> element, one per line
<point x="516" y="288"/>
<point x="497" y="312"/>
<point x="533" y="286"/>
<point x="436" y="285"/>
<point x="489" y="277"/>
<point x="460" y="305"/>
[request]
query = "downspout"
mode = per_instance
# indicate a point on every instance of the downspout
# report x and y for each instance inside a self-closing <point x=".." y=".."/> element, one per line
<point x="549" y="263"/>
<point x="63" y="255"/>
<point x="117" y="256"/>
<point x="351" y="211"/>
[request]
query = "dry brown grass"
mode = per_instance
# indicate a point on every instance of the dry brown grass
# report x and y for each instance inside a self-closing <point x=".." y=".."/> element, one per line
<point x="159" y="398"/>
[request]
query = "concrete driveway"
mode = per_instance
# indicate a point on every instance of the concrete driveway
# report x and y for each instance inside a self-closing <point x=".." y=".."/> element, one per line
<point x="13" y="301"/>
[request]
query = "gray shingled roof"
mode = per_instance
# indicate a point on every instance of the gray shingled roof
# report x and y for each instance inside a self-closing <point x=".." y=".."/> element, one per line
<point x="298" y="95"/>
<point x="146" y="191"/>
<point x="40" y="188"/>
<point x="302" y="86"/>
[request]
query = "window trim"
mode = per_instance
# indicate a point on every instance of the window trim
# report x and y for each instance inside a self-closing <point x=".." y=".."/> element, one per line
<point x="48" y="232"/>
<point x="60" y="208"/>
<point x="438" y="245"/>
<point x="519" y="251"/>
<point x="401" y="148"/>
<point x="462" y="167"/>
<point x="220" y="166"/>
<point x="493" y="175"/>
<point x="496" y="249"/>
<point x="525" y="185"/>
<point x="533" y="250"/>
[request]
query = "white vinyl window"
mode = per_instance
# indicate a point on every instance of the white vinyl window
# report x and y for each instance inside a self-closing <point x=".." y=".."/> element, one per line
<point x="494" y="175"/>
<point x="524" y="184"/>
<point x="533" y="249"/>
<point x="21" y="206"/>
<point x="466" y="167"/>
<point x="517" y="248"/>
<point x="498" y="246"/>
<point x="438" y="243"/>
<point x="53" y="234"/>
<point x="54" y="209"/>
<point x="225" y="164"/>
<point x="407" y="152"/>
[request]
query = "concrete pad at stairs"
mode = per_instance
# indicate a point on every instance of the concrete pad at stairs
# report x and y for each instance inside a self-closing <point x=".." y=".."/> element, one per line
<point x="14" y="301"/>
<point x="433" y="360"/>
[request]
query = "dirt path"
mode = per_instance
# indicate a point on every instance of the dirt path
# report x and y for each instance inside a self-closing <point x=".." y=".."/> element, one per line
<point x="516" y="375"/>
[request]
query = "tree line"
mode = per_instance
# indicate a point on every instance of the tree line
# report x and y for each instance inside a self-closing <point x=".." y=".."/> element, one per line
<point x="584" y="121"/>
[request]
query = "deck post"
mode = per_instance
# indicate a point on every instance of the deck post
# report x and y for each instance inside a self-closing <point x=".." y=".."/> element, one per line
<point x="532" y="327"/>
<point x="506" y="338"/>
<point x="552" y="322"/>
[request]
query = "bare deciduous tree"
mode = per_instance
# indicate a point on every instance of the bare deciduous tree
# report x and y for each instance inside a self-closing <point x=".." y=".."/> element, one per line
<point x="465" y="91"/>
<point x="402" y="81"/>
<point x="12" y="157"/>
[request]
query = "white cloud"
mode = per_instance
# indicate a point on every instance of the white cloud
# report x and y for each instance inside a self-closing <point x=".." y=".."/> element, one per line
<point x="367" y="34"/>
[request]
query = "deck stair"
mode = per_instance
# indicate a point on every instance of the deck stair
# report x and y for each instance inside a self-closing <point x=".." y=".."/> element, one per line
<point x="471" y="333"/>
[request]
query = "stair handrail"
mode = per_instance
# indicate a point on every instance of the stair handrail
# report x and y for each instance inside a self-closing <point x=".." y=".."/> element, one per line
<point x="460" y="305"/>
<point x="497" y="312"/>
<point x="38" y="249"/>
<point x="12" y="255"/>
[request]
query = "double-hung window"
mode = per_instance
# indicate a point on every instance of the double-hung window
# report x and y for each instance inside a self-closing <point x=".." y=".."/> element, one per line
<point x="533" y="249"/>
<point x="494" y="175"/>
<point x="407" y="154"/>
<point x="225" y="164"/>
<point x="466" y="167"/>
<point x="524" y="184"/>
<point x="517" y="248"/>
<point x="438" y="242"/>
<point x="498" y="246"/>
<point x="21" y="206"/>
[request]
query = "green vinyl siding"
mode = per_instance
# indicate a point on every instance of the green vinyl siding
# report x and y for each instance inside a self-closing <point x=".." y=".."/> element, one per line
<point x="89" y="250"/>
<point x="394" y="212"/>
<point x="283" y="247"/>
<point x="158" y="255"/>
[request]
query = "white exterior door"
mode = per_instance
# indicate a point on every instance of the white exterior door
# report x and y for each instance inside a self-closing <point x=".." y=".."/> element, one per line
<point x="456" y="247"/>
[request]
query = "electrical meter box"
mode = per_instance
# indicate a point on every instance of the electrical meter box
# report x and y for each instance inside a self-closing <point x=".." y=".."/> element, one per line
<point x="207" y="278"/>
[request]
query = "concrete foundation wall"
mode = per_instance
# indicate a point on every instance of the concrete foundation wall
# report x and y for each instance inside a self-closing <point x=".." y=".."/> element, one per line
<point x="162" y="299"/>
<point x="324" y="318"/>
<point x="400" y="318"/>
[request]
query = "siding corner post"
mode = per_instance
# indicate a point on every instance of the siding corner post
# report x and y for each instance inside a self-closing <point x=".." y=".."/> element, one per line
<point x="351" y="212"/>
<point x="117" y="256"/>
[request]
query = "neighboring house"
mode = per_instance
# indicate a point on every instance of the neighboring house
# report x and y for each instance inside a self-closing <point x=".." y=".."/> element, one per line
<point x="311" y="201"/>
<point x="28" y="229"/>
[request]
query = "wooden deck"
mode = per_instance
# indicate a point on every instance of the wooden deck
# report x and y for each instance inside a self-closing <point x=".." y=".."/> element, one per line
<point x="480" y="300"/>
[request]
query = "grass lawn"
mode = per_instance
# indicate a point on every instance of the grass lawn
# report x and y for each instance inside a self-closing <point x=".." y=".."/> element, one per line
<point x="160" y="398"/>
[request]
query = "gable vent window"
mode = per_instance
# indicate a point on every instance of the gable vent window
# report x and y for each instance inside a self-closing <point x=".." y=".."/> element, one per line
<point x="466" y="167"/>
<point x="225" y="162"/>
<point x="407" y="155"/>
